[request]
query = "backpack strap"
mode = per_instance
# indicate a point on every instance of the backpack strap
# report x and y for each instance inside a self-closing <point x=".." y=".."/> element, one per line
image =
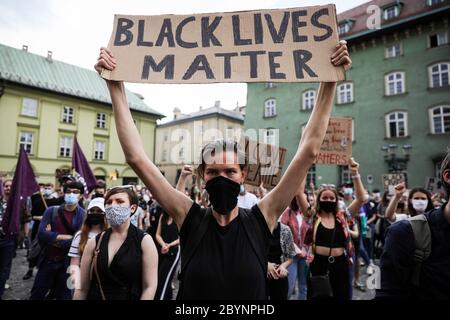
<point x="188" y="249"/>
<point x="422" y="244"/>
<point x="94" y="268"/>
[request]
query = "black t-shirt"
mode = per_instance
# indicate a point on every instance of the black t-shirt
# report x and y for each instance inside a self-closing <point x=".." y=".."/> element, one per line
<point x="224" y="265"/>
<point x="275" y="250"/>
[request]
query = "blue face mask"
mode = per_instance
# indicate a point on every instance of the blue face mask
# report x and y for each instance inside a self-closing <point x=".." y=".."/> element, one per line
<point x="71" y="198"/>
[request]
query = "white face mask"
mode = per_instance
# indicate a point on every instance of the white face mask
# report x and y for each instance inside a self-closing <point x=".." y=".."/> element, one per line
<point x="419" y="205"/>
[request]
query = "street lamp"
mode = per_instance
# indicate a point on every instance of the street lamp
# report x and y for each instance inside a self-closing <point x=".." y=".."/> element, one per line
<point x="396" y="163"/>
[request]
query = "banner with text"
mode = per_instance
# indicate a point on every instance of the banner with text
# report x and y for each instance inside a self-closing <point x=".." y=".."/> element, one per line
<point x="281" y="45"/>
<point x="337" y="145"/>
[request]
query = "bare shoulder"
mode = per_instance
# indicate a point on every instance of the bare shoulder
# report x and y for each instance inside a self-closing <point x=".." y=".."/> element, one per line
<point x="147" y="242"/>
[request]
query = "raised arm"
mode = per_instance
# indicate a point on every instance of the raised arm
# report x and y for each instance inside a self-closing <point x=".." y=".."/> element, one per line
<point x="170" y="199"/>
<point x="273" y="205"/>
<point x="359" y="189"/>
<point x="302" y="199"/>
<point x="390" y="210"/>
<point x="185" y="172"/>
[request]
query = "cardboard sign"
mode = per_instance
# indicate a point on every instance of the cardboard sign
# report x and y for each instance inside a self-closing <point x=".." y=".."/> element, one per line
<point x="337" y="145"/>
<point x="282" y="45"/>
<point x="265" y="163"/>
<point x="390" y="180"/>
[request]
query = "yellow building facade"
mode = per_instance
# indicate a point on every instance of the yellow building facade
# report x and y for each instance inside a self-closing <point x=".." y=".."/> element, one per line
<point x="44" y="103"/>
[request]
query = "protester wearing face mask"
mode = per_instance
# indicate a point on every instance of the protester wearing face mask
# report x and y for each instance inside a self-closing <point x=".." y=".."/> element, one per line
<point x="246" y="199"/>
<point x="224" y="248"/>
<point x="120" y="263"/>
<point x="58" y="225"/>
<point x="406" y="274"/>
<point x="94" y="223"/>
<point x="329" y="235"/>
<point x="419" y="201"/>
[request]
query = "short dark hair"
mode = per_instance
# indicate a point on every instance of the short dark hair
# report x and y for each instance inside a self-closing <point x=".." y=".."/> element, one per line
<point x="100" y="184"/>
<point x="444" y="167"/>
<point x="224" y="146"/>
<point x="122" y="189"/>
<point x="74" y="185"/>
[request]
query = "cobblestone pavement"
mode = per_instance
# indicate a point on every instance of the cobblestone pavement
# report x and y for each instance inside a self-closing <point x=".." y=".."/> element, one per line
<point x="20" y="289"/>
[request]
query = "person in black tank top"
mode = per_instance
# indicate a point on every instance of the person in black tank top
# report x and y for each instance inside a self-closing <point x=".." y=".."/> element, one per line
<point x="121" y="262"/>
<point x="224" y="247"/>
<point x="169" y="255"/>
<point x="330" y="237"/>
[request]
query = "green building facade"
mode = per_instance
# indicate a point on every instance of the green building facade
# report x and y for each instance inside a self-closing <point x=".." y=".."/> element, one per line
<point x="397" y="93"/>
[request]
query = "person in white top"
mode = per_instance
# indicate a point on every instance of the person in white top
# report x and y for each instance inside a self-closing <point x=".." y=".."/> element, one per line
<point x="93" y="224"/>
<point x="246" y="199"/>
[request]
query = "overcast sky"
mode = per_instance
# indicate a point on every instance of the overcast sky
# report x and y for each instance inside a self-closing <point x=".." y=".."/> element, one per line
<point x="75" y="29"/>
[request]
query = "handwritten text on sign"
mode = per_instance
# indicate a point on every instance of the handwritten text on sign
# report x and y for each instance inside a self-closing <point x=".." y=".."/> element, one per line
<point x="283" y="45"/>
<point x="337" y="144"/>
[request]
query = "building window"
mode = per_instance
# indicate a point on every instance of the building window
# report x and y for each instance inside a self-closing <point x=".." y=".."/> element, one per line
<point x="165" y="137"/>
<point x="440" y="119"/>
<point x="393" y="51"/>
<point x="391" y="12"/>
<point x="434" y="2"/>
<point x="439" y="75"/>
<point x="270" y="108"/>
<point x="26" y="140"/>
<point x="99" y="150"/>
<point x="269" y="136"/>
<point x="344" y="28"/>
<point x="29" y="107"/>
<point x="67" y="116"/>
<point x="270" y="85"/>
<point x="438" y="39"/>
<point x="308" y="100"/>
<point x="65" y="146"/>
<point x="311" y="176"/>
<point x="346" y="175"/>
<point x="345" y="93"/>
<point x="164" y="156"/>
<point x="395" y="83"/>
<point x="396" y="125"/>
<point x="101" y="120"/>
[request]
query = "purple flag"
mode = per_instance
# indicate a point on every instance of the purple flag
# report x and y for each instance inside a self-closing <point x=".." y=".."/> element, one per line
<point x="83" y="172"/>
<point x="24" y="184"/>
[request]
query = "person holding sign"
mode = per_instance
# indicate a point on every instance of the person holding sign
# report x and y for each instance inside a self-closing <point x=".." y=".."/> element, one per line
<point x="224" y="248"/>
<point x="330" y="237"/>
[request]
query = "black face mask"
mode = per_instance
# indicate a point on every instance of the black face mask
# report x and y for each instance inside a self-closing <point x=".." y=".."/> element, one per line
<point x="93" y="219"/>
<point x="401" y="205"/>
<point x="223" y="194"/>
<point x="328" y="206"/>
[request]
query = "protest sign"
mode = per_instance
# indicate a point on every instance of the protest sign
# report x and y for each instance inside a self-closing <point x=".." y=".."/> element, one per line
<point x="278" y="45"/>
<point x="265" y="163"/>
<point x="337" y="145"/>
<point x="390" y="180"/>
